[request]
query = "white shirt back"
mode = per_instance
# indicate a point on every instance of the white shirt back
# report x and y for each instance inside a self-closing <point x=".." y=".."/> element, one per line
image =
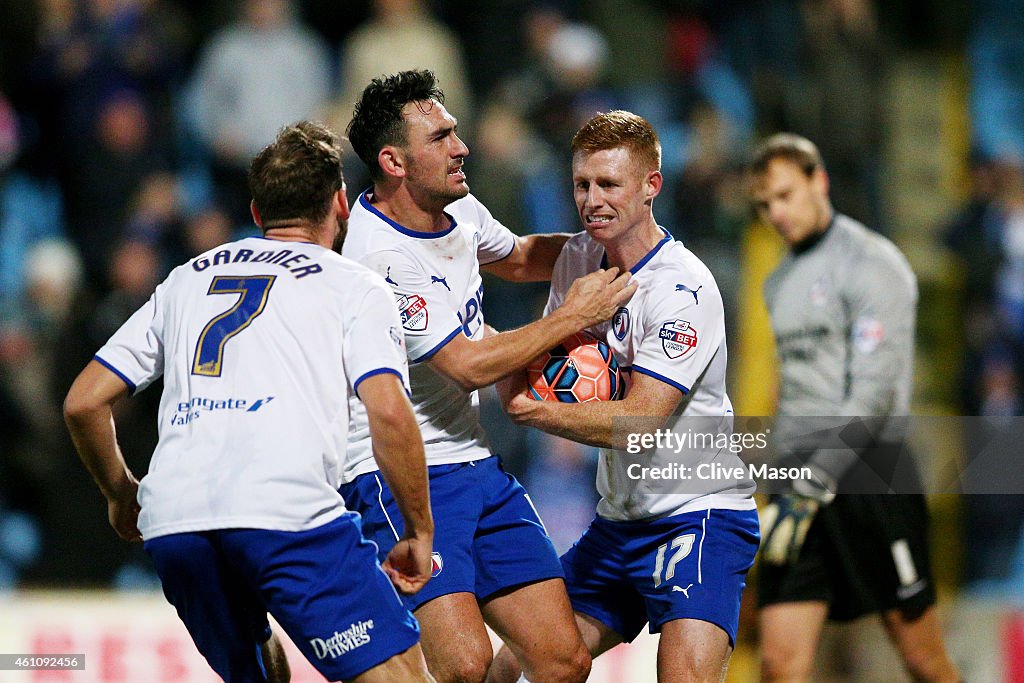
<point x="261" y="344"/>
<point x="439" y="293"/>
<point x="672" y="329"/>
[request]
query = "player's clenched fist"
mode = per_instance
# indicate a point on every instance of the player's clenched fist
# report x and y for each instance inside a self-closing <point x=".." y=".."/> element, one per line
<point x="408" y="565"/>
<point x="596" y="296"/>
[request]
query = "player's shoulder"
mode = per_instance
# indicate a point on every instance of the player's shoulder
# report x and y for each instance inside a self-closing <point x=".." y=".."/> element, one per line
<point x="345" y="265"/>
<point x="676" y="262"/>
<point x="676" y="282"/>
<point x="868" y="250"/>
<point x="468" y="209"/>
<point x="581" y="248"/>
<point x="366" y="225"/>
<point x="770" y="285"/>
<point x="351" y="275"/>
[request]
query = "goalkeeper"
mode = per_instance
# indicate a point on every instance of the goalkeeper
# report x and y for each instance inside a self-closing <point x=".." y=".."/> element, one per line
<point x="842" y="306"/>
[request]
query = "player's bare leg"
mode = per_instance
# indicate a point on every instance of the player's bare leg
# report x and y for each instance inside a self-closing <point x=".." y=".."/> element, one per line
<point x="919" y="642"/>
<point x="537" y="624"/>
<point x="407" y="666"/>
<point x="454" y="639"/>
<point x="505" y="667"/>
<point x="275" y="661"/>
<point x="692" y="651"/>
<point x="789" y="637"/>
<point x="597" y="638"/>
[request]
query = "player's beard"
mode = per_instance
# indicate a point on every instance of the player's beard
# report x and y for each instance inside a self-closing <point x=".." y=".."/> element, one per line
<point x="339" y="238"/>
<point x="441" y="194"/>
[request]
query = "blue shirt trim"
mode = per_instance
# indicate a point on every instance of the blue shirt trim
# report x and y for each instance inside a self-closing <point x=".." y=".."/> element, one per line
<point x="401" y="228"/>
<point x="379" y="371"/>
<point x="427" y="356"/>
<point x="503" y="257"/>
<point x="643" y="262"/>
<point x="108" y="366"/>
<point x="663" y="378"/>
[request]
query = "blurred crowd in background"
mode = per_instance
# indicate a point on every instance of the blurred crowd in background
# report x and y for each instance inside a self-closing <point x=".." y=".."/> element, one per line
<point x="127" y="126"/>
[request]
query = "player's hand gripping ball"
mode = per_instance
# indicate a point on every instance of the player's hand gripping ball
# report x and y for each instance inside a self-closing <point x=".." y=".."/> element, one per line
<point x="578" y="370"/>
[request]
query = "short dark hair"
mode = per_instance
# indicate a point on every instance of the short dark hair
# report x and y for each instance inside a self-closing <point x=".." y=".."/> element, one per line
<point x="790" y="146"/>
<point x="296" y="176"/>
<point x="620" y="128"/>
<point x="377" y="119"/>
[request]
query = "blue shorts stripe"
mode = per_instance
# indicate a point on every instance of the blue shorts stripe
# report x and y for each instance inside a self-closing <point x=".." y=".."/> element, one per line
<point x="700" y="548"/>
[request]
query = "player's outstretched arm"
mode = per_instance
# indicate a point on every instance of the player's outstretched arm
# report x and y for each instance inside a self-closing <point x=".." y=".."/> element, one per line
<point x="649" y="402"/>
<point x="532" y="259"/>
<point x="398" y="449"/>
<point x="88" y="414"/>
<point x="591" y="299"/>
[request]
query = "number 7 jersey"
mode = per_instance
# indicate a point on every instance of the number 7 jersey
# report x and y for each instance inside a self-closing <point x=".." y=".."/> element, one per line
<point x="260" y="343"/>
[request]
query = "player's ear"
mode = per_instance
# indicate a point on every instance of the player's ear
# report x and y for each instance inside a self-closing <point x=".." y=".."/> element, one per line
<point x="391" y="161"/>
<point x="652" y="185"/>
<point x="255" y="214"/>
<point x="341" y="197"/>
<point x="819" y="178"/>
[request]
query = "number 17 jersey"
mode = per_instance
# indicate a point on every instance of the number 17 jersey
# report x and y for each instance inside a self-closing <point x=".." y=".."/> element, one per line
<point x="672" y="329"/>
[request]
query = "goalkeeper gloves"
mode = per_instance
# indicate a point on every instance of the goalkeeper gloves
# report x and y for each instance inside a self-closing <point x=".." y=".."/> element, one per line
<point x="784" y="525"/>
<point x="787" y="518"/>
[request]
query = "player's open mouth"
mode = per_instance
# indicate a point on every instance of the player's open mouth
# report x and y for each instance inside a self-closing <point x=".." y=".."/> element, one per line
<point x="597" y="220"/>
<point x="457" y="172"/>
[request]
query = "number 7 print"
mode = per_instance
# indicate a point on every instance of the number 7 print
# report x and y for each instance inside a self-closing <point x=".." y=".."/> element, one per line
<point x="254" y="290"/>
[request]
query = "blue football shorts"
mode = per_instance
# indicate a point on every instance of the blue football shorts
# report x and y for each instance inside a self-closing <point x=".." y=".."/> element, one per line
<point x="688" y="566"/>
<point x="324" y="587"/>
<point x="487" y="534"/>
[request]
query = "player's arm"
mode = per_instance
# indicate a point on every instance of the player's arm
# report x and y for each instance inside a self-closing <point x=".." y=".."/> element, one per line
<point x="882" y="304"/>
<point x="375" y="355"/>
<point x="398" y="450"/>
<point x="532" y="258"/>
<point x="650" y="401"/>
<point x="88" y="412"/>
<point x="592" y="299"/>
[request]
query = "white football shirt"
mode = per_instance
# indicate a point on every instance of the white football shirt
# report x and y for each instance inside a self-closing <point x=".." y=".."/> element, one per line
<point x="261" y="344"/>
<point x="436" y="281"/>
<point x="672" y="329"/>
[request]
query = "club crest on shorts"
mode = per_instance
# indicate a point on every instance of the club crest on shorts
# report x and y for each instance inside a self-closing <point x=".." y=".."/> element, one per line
<point x="620" y="323"/>
<point x="412" y="309"/>
<point x="436" y="564"/>
<point x="678" y="338"/>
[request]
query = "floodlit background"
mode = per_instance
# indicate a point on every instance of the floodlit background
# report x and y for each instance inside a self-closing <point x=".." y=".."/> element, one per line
<point x="126" y="127"/>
